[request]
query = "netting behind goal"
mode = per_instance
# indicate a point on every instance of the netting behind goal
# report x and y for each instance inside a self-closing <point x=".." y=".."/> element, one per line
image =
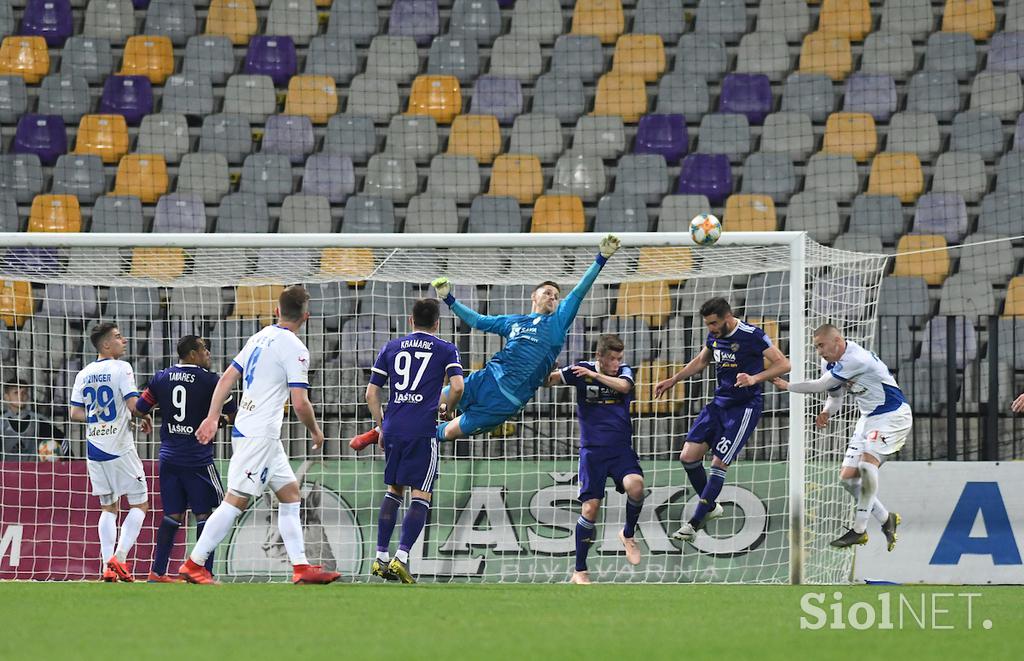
<point x="505" y="504"/>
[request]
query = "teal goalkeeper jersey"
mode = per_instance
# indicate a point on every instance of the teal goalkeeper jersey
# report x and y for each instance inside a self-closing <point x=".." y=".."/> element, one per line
<point x="534" y="340"/>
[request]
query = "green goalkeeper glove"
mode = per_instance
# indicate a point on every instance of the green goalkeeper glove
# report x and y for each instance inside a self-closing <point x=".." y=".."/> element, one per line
<point x="609" y="245"/>
<point x="443" y="287"/>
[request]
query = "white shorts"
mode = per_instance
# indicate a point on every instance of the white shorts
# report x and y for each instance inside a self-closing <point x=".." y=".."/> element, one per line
<point x="123" y="476"/>
<point x="879" y="435"/>
<point x="257" y="463"/>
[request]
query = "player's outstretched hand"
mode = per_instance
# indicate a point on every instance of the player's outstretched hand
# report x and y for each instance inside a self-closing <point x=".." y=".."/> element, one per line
<point x="663" y="387"/>
<point x="822" y="420"/>
<point x="318" y="439"/>
<point x="442" y="286"/>
<point x="609" y="245"/>
<point x="207" y="430"/>
<point x="583" y="372"/>
<point x="146" y="425"/>
<point x="444" y="413"/>
<point x="1018" y="404"/>
<point x="780" y="383"/>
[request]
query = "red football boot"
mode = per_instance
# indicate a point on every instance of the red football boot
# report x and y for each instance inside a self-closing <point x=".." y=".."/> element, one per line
<point x="162" y="578"/>
<point x="313" y="574"/>
<point x="365" y="439"/>
<point x="120" y="569"/>
<point x="197" y="574"/>
<point x="109" y="576"/>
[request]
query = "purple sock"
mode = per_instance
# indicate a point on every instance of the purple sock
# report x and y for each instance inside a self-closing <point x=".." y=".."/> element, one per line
<point x="584" y="538"/>
<point x="698" y="478"/>
<point x="633" y="508"/>
<point x="199" y="531"/>
<point x="412" y="523"/>
<point x="709" y="495"/>
<point x="386" y="520"/>
<point x="165" y="535"/>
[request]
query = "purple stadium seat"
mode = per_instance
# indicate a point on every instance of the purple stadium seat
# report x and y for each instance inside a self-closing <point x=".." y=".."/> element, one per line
<point x="501" y="97"/>
<point x="180" y="212"/>
<point x="291" y="135"/>
<point x="131" y="96"/>
<point x="271" y="56"/>
<point x="1006" y="52"/>
<point x="747" y="94"/>
<point x="32" y="262"/>
<point x="506" y="4"/>
<point x="140" y="4"/>
<point x="50" y="19"/>
<point x="706" y="174"/>
<point x="941" y="213"/>
<point x="419" y="19"/>
<point x="42" y="135"/>
<point x="329" y="175"/>
<point x="873" y="93"/>
<point x="662" y="134"/>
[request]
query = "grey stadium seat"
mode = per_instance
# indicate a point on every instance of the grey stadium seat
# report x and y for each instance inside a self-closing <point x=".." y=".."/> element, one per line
<point x="171" y="18"/>
<point x="965" y="294"/>
<point x="475" y="19"/>
<point x="576" y="174"/>
<point x="452" y="56"/>
<point x="64" y="95"/>
<point x="601" y="136"/>
<point x="810" y="94"/>
<point x="179" y="213"/>
<point x="766" y="53"/>
<point x="165" y="134"/>
<point x="721" y="18"/>
<point x="291" y="135"/>
<point x="538" y="134"/>
<point x="904" y="297"/>
<point x="769" y="174"/>
<point x="621" y="212"/>
<point x="243" y="213"/>
<point x="252" y="97"/>
<point x="393" y="58"/>
<point x="701" y="55"/>
<point x="1000" y="213"/>
<point x="1010" y="174"/>
<point x="515" y="57"/>
<point x="87" y="57"/>
<point x="455" y="177"/>
<point x="117" y="214"/>
<point x="412" y="136"/>
<point x="351" y="136"/>
<point x="768" y="295"/>
<point x="330" y="175"/>
<point x="643" y="174"/>
<point x="10" y="219"/>
<point x="133" y="303"/>
<point x="539" y="20"/>
<point x="977" y="133"/>
<point x="790" y="18"/>
<point x="113" y="20"/>
<point x="427" y="214"/>
<point x="895" y="340"/>
<point x="995" y="261"/>
<point x="911" y="17"/>
<point x="685" y="94"/>
<point x="579" y="56"/>
<point x="916" y="132"/>
<point x="229" y="135"/>
<point x="81" y="175"/>
<point x="372" y="97"/>
<point x="832" y="173"/>
<point x="1011" y="335"/>
<point x="790" y="133"/>
<point x="999" y="93"/>
<point x="206" y="174"/>
<point x="209" y="55"/>
<point x="293" y="18"/>
<point x="354" y="19"/>
<point x="677" y="211"/>
<point x="559" y="95"/>
<point x="495" y="214"/>
<point x="878" y="215"/>
<point x="21" y="175"/>
<point x="937" y="92"/>
<point x="661" y="17"/>
<point x="951" y="52"/>
<point x="394" y="178"/>
<point x="858" y="243"/>
<point x="269" y="175"/>
<point x="305" y="214"/>
<point x="13" y="98"/>
<point x="368" y="214"/>
<point x="332" y="56"/>
<point x="958" y="172"/>
<point x="888" y="53"/>
<point x="724" y="134"/>
<point x="188" y="94"/>
<point x="816" y="213"/>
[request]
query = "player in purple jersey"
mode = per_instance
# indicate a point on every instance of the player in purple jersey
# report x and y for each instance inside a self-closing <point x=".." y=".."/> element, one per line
<point x="415" y="366"/>
<point x="188" y="478"/>
<point x="604" y="391"/>
<point x="739" y="351"/>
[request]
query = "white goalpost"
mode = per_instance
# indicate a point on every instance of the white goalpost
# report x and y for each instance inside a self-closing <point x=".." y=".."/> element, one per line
<point x="504" y="506"/>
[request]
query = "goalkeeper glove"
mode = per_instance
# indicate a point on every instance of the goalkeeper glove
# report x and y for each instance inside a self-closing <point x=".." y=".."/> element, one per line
<point x="609" y="245"/>
<point x="443" y="287"/>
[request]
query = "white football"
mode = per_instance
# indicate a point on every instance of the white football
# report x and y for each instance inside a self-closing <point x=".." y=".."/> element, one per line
<point x="705" y="229"/>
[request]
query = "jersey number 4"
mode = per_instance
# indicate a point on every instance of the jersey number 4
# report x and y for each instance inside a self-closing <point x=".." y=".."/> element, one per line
<point x="100" y="404"/>
<point x="250" y="365"/>
<point x="403" y="368"/>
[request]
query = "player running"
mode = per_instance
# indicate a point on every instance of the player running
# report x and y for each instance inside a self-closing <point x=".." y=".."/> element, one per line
<point x="273" y="364"/>
<point x="188" y="478"/>
<point x="885" y="422"/>
<point x="739" y="351"/>
<point x="104" y="397"/>
<point x="416" y="366"/>
<point x="604" y="391"/>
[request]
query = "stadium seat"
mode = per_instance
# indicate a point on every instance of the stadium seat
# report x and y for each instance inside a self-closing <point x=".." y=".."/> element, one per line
<point x="332" y="56"/>
<point x="159" y="264"/>
<point x="393" y="58"/>
<point x="251" y="97"/>
<point x="834" y="174"/>
<point x="965" y="295"/>
<point x="315" y="97"/>
<point x="975" y="17"/>
<point x="412" y="136"/>
<point x="271" y="56"/>
<point x="746" y="94"/>
<point x="935" y="340"/>
<point x="42" y="135"/>
<point x="916" y="132"/>
<point x="558" y="213"/>
<point x="647" y="377"/>
<point x="910" y="17"/>
<point x="962" y="173"/>
<point x="103" y="135"/>
<point x="853" y="242"/>
<point x="111" y="213"/>
<point x="475" y="135"/>
<point x="354" y="19"/>
<point x="518" y="176"/>
<point x="351" y="136"/>
<point x="452" y="56"/>
<point x="289" y="135"/>
<point x="256" y="302"/>
<point x="895" y="340"/>
<point x="494" y="214"/>
<point x="329" y="175"/>
<point x="649" y="301"/>
<point x="365" y="214"/>
<point x="726" y="19"/>
<point x="428" y="214"/>
<point x="1000" y="93"/>
<point x="1014" y="306"/>
<point x="603" y="19"/>
<point x="770" y="174"/>
<point x="621" y="212"/>
<point x="683" y="94"/>
<point x="579" y="56"/>
<point x="112" y="20"/>
<point x="933" y="265"/>
<point x="539" y="20"/>
<point x="14" y="98"/>
<point x="764" y="53"/>
<point x="296" y="19"/>
<point x="172" y="19"/>
<point x="539" y="135"/>
<point x="209" y="56"/>
<point x="142" y="175"/>
<point x="165" y="134"/>
<point x="851" y="133"/>
<point x="809" y="94"/>
<point x="376" y="98"/>
<point x="475" y="19"/>
<point x="639" y="55"/>
<point x="896" y="174"/>
<point x="905" y="297"/>
<point x="994" y="261"/>
<point x="391" y="177"/>
<point x="439" y="97"/>
<point x="924" y="384"/>
<point x="941" y="213"/>
<point x="243" y="213"/>
<point x="603" y="136"/>
<point x="234" y="19"/>
<point x="50" y="19"/>
<point x="21" y="175"/>
<point x="27" y="57"/>
<point x="129" y="96"/>
<point x="205" y="174"/>
<point x="643" y="174"/>
<point x="16" y="303"/>
<point x="750" y="213"/>
<point x="515" y="57"/>
<point x="890" y="54"/>
<point x="935" y="92"/>
<point x="706" y="174"/>
<point x="824" y="53"/>
<point x="850" y="19"/>
<point x="55" y="213"/>
<point x="305" y="214"/>
<point x="454" y="177"/>
<point x="180" y="212"/>
<point x="951" y="52"/>
<point x="788" y="133"/>
<point x="501" y="97"/>
<point x="871" y="93"/>
<point x="583" y="176"/>
<point x="703" y="55"/>
<point x="269" y="175"/>
<point x="878" y="215"/>
<point x="790" y="18"/>
<point x="1010" y="173"/>
<point x="148" y="55"/>
<point x="663" y="134"/>
<point x="816" y="213"/>
<point x="560" y="95"/>
<point x="79" y="175"/>
<point x="1006" y="52"/>
<point x="229" y="135"/>
<point x="1000" y="213"/>
<point x="724" y="134"/>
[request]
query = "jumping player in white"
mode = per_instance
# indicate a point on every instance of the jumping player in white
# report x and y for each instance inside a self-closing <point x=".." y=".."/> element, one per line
<point x="885" y="422"/>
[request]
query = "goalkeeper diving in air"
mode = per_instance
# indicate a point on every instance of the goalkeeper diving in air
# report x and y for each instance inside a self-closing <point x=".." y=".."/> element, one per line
<point x="512" y="376"/>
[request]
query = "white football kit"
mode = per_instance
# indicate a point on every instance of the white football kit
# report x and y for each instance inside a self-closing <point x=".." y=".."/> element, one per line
<point x="115" y="469"/>
<point x="272" y="362"/>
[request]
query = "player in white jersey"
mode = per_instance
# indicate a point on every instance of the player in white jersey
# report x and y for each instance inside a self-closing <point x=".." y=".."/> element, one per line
<point x="883" y="428"/>
<point x="104" y="397"/>
<point x="273" y="365"/>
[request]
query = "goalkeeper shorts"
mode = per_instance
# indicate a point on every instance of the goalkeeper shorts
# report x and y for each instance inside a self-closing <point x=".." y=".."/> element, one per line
<point x="483" y="405"/>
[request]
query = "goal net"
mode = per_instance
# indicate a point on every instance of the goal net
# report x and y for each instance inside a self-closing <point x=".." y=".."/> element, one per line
<point x="505" y="504"/>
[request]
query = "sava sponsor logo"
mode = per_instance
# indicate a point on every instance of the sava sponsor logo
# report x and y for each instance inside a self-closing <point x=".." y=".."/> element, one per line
<point x="408" y="398"/>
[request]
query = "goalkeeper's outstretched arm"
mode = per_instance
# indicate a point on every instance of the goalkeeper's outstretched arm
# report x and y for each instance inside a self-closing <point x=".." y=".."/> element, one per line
<point x="570" y="305"/>
<point x="489" y="324"/>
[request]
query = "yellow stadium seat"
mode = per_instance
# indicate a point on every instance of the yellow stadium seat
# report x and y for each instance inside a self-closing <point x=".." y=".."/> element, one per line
<point x="16" y="304"/>
<point x="558" y="213"/>
<point x="235" y="19"/>
<point x="639" y="55"/>
<point x="437" y="96"/>
<point x="315" y="97"/>
<point x="518" y="176"/>
<point x="151" y="56"/>
<point x="354" y="263"/>
<point x="55" y="213"/>
<point x="256" y="302"/>
<point x="601" y="18"/>
<point x="851" y="133"/>
<point x="897" y="173"/>
<point x="475" y="135"/>
<point x="976" y="17"/>
<point x="649" y="300"/>
<point x="665" y="261"/>
<point x="933" y="266"/>
<point x="103" y="135"/>
<point x="621" y="94"/>
<point x="750" y="213"/>
<point x="768" y="325"/>
<point x="142" y="175"/>
<point x="1015" y="298"/>
<point x="846" y="18"/>
<point x="162" y="264"/>
<point x="648" y="376"/>
<point x="27" y="57"/>
<point x="827" y="54"/>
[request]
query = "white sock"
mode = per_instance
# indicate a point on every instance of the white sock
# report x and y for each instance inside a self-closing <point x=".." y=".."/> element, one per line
<point x="108" y="534"/>
<point x="217" y="528"/>
<point x="402" y="556"/>
<point x="383" y="556"/>
<point x="878" y="510"/>
<point x="291" y="532"/>
<point x="129" y="532"/>
<point x="868" y="489"/>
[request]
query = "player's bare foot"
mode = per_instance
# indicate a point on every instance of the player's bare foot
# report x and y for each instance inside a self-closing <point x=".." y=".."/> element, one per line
<point x="889" y="530"/>
<point x="686" y="532"/>
<point x="717" y="513"/>
<point x="850" y="538"/>
<point x="109" y="576"/>
<point x="313" y="575"/>
<point x="632" y="550"/>
<point x="121" y="569"/>
<point x="162" y="578"/>
<point x="365" y="439"/>
<point x="580" y="578"/>
<point x="196" y="574"/>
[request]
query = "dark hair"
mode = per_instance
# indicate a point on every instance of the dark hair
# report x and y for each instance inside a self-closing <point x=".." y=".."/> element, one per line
<point x="547" y="283"/>
<point x="11" y="382"/>
<point x="609" y="342"/>
<point x="99" y="333"/>
<point x="425" y="312"/>
<point x="717" y="306"/>
<point x="292" y="302"/>
<point x="189" y="343"/>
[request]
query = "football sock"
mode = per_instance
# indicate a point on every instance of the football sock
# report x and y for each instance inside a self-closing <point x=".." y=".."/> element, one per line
<point x="584" y="538"/>
<point x="878" y="510"/>
<point x="709" y="495"/>
<point x="386" y="523"/>
<point x="108" y="534"/>
<point x="868" y="489"/>
<point x="129" y="532"/>
<point x="633" y="508"/>
<point x="412" y="525"/>
<point x="200" y="526"/>
<point x="215" y="529"/>
<point x="439" y="434"/>
<point x="165" y="535"/>
<point x="698" y="477"/>
<point x="291" y="532"/>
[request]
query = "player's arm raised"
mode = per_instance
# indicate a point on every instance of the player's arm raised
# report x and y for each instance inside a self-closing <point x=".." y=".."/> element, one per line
<point x="482" y="322"/>
<point x="208" y="427"/>
<point x="779" y="366"/>
<point x="697" y="365"/>
<point x="570" y="305"/>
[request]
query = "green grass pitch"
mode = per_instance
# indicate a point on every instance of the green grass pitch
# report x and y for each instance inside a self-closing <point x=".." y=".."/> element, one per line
<point x="42" y="621"/>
